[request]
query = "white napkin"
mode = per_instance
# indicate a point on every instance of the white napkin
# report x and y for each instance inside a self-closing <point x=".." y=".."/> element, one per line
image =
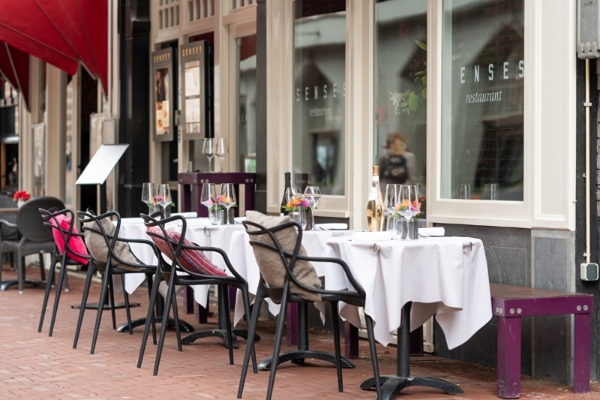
<point x="437" y="231"/>
<point x="331" y="227"/>
<point x="238" y="220"/>
<point x="372" y="236"/>
<point x="190" y="214"/>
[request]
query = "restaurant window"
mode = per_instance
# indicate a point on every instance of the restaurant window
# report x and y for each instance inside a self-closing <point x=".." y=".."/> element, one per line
<point x="400" y="134"/>
<point x="482" y="100"/>
<point x="246" y="103"/>
<point x="319" y="94"/>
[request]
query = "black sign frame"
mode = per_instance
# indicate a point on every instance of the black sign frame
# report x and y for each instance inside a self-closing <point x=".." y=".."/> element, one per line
<point x="193" y="90"/>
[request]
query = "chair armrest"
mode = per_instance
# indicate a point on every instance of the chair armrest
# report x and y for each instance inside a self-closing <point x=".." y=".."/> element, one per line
<point x="216" y="250"/>
<point x="4" y="222"/>
<point x="342" y="264"/>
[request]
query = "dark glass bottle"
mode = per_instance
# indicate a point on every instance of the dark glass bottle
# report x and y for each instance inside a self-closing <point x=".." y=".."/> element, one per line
<point x="288" y="183"/>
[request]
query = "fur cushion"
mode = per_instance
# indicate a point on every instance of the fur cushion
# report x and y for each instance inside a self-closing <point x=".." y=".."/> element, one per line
<point x="269" y="262"/>
<point x="97" y="245"/>
<point x="189" y="259"/>
<point x="76" y="243"/>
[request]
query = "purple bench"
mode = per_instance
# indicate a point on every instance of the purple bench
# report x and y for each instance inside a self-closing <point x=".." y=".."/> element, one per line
<point x="510" y="303"/>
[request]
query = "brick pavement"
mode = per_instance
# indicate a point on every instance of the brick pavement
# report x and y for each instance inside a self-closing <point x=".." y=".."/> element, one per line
<point x="33" y="365"/>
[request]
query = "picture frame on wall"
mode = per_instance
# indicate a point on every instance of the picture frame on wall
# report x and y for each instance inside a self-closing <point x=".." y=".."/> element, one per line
<point x="193" y="77"/>
<point x="163" y="122"/>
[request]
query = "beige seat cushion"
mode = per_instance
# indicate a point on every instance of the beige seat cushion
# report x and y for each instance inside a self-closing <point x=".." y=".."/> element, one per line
<point x="270" y="264"/>
<point x="97" y="245"/>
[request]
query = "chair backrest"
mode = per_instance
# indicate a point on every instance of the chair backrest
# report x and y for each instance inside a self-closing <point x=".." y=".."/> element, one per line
<point x="103" y="241"/>
<point x="67" y="238"/>
<point x="277" y="245"/>
<point x="6" y="201"/>
<point x="30" y="222"/>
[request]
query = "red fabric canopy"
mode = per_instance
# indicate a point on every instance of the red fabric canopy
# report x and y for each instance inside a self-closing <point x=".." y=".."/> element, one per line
<point x="62" y="33"/>
<point x="14" y="64"/>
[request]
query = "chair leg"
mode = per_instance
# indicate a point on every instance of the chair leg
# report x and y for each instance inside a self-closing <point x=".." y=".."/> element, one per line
<point x="66" y="282"/>
<point x="149" y="320"/>
<point x="11" y="256"/>
<point x="84" y="297"/>
<point x="111" y="293"/>
<point x="103" y="294"/>
<point x="153" y="319"/>
<point x="225" y="294"/>
<point x="278" y="337"/>
<point x="165" y="319"/>
<point x="253" y="321"/>
<point x="21" y="272"/>
<point x="2" y="256"/>
<point x="248" y="313"/>
<point x="176" y="320"/>
<point x="61" y="277"/>
<point x="336" y="343"/>
<point x="127" y="311"/>
<point x="42" y="270"/>
<point x="46" y="295"/>
<point x="373" y="349"/>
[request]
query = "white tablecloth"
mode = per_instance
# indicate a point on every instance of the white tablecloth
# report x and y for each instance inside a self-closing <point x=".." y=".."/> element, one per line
<point x="443" y="276"/>
<point x="199" y="231"/>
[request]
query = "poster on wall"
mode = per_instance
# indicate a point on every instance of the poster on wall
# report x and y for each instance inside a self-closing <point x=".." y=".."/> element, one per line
<point x="39" y="133"/>
<point x="162" y="98"/>
<point x="193" y="78"/>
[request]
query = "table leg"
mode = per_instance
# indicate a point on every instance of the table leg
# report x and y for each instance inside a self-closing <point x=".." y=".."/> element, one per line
<point x="392" y="385"/>
<point x="350" y="340"/>
<point x="581" y="356"/>
<point x="509" y="357"/>
<point x="160" y="307"/>
<point x="303" y="352"/>
<point x="291" y="325"/>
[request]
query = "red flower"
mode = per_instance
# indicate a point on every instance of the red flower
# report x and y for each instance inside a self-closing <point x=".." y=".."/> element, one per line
<point x="21" y="195"/>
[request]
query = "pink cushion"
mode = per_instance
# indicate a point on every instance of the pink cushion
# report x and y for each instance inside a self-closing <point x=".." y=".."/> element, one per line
<point x="76" y="243"/>
<point x="190" y="259"/>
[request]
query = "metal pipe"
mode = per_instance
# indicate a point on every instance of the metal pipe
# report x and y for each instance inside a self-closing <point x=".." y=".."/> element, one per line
<point x="587" y="105"/>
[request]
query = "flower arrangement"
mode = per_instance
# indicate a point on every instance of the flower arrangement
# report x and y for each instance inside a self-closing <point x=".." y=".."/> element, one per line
<point x="219" y="204"/>
<point x="156" y="199"/>
<point x="21" y="195"/>
<point x="415" y="207"/>
<point x="297" y="202"/>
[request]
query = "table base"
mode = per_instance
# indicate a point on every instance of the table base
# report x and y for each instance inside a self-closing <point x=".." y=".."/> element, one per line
<point x="183" y="326"/>
<point x="4" y="285"/>
<point x="392" y="385"/>
<point x="106" y="306"/>
<point x="298" y="357"/>
<point x="220" y="333"/>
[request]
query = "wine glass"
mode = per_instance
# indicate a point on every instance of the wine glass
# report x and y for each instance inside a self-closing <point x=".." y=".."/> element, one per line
<point x="208" y="149"/>
<point x="148" y="192"/>
<point x="391" y="200"/>
<point x="227" y="198"/>
<point x="221" y="149"/>
<point x="298" y="214"/>
<point x="163" y="197"/>
<point x="409" y="204"/>
<point x="312" y="194"/>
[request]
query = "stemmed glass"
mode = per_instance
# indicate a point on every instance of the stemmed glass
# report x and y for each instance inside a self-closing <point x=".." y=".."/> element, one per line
<point x="312" y="194"/>
<point x="207" y="198"/>
<point x="208" y="149"/>
<point x="391" y="200"/>
<point x="409" y="204"/>
<point x="163" y="197"/>
<point x="148" y="192"/>
<point x="221" y="149"/>
<point x="227" y="198"/>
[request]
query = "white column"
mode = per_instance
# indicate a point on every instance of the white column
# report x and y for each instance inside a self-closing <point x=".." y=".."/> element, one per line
<point x="54" y="165"/>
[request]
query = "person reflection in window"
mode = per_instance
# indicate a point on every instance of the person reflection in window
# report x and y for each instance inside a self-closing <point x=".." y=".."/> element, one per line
<point x="398" y="164"/>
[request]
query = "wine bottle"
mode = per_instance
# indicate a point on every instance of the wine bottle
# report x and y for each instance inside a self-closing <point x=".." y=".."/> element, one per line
<point x="288" y="178"/>
<point x="375" y="204"/>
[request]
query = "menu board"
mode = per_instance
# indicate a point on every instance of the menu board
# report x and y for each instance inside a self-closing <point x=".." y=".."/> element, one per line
<point x="162" y="104"/>
<point x="192" y="57"/>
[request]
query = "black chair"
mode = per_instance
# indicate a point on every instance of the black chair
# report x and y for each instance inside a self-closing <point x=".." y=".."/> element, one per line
<point x="34" y="238"/>
<point x="168" y="271"/>
<point x="284" y="296"/>
<point x="63" y="253"/>
<point x="116" y="264"/>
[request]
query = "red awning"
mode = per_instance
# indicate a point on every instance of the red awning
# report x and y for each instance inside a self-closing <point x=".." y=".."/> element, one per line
<point x="14" y="65"/>
<point x="62" y="33"/>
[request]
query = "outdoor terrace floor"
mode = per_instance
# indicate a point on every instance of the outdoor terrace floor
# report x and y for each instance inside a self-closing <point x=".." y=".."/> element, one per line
<point x="33" y="365"/>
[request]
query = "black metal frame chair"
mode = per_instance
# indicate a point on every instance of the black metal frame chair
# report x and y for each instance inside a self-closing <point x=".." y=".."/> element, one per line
<point x="34" y="238"/>
<point x="333" y="297"/>
<point x="168" y="272"/>
<point x="64" y="256"/>
<point x="109" y="270"/>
